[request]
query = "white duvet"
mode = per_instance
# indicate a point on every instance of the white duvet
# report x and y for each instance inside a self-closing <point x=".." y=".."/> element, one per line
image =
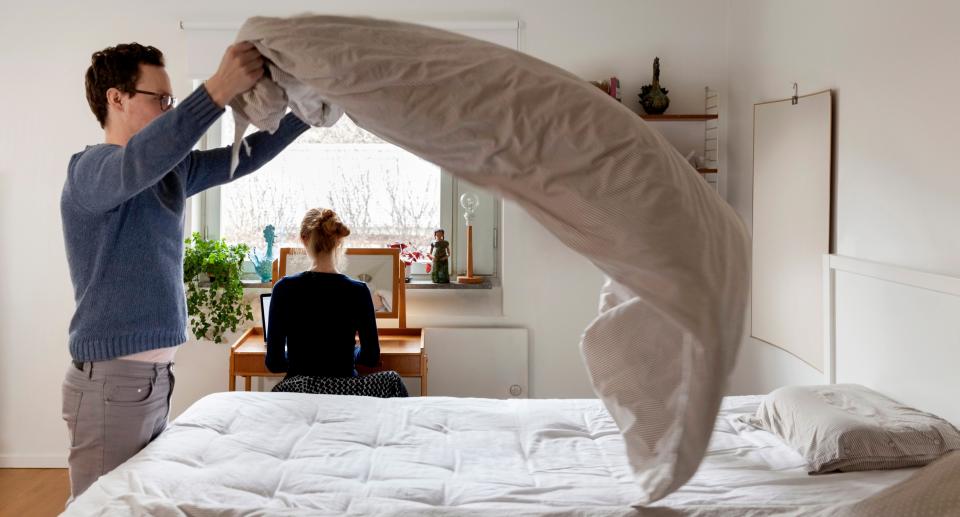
<point x="240" y="453"/>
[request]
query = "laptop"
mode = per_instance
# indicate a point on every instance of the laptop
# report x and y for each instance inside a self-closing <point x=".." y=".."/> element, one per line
<point x="265" y="312"/>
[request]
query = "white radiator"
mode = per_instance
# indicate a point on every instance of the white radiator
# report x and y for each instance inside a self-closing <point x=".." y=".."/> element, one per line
<point x="477" y="362"/>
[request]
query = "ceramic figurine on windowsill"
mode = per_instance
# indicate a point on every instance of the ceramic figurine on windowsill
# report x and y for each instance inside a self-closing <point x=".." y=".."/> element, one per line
<point x="440" y="251"/>
<point x="264" y="265"/>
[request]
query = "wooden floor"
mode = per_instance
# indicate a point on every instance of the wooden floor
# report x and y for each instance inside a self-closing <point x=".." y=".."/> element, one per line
<point x="33" y="492"/>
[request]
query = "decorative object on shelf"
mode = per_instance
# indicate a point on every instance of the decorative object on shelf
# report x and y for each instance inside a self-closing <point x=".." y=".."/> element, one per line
<point x="603" y="85"/>
<point x="696" y="160"/>
<point x="264" y="265"/>
<point x="611" y="87"/>
<point x="653" y="98"/>
<point x="219" y="307"/>
<point x="440" y="251"/>
<point x="469" y="201"/>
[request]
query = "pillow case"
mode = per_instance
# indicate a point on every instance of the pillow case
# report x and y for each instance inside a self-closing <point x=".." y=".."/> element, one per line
<point x="848" y="427"/>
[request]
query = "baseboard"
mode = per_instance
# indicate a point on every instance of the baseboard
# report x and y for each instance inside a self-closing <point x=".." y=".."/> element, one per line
<point x="51" y="461"/>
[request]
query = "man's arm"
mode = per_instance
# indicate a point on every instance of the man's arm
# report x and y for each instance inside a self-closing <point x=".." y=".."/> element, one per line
<point x="108" y="176"/>
<point x="206" y="169"/>
<point x="105" y="177"/>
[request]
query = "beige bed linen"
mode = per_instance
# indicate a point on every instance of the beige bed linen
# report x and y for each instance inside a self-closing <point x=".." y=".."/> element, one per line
<point x="586" y="167"/>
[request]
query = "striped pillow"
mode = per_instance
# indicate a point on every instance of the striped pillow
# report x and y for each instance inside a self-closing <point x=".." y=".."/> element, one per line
<point x="847" y="427"/>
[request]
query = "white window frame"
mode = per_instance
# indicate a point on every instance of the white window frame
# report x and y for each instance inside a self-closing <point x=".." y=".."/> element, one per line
<point x="205" y="42"/>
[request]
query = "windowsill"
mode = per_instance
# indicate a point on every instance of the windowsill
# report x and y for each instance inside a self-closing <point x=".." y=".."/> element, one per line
<point x="427" y="303"/>
<point x="247" y="284"/>
<point x="256" y="284"/>
<point x="488" y="283"/>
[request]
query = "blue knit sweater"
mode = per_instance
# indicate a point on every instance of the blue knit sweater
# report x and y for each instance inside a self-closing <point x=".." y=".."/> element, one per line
<point x="123" y="223"/>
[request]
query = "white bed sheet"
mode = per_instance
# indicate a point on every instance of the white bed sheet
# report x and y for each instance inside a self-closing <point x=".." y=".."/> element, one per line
<point x="291" y="454"/>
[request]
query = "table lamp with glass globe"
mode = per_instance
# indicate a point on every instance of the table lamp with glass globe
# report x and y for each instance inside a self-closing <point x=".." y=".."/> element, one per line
<point x="469" y="201"/>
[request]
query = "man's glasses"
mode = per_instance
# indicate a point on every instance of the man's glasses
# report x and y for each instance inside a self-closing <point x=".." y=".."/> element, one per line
<point x="166" y="101"/>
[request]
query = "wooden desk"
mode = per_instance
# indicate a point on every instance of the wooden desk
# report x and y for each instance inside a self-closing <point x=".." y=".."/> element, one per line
<point x="401" y="350"/>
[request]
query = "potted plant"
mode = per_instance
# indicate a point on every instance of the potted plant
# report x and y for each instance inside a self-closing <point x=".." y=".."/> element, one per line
<point x="411" y="256"/>
<point x="211" y="270"/>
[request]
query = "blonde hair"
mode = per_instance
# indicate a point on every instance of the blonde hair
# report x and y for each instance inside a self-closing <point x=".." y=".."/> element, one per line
<point x="322" y="231"/>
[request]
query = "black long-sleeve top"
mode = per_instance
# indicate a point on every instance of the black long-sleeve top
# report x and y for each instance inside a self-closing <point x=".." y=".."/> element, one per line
<point x="316" y="317"/>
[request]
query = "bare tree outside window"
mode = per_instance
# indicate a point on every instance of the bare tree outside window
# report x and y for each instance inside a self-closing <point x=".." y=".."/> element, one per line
<point x="413" y="212"/>
<point x="351" y="193"/>
<point x="382" y="192"/>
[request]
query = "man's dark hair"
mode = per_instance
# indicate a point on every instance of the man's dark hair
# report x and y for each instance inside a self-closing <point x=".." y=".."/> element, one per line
<point x="116" y="67"/>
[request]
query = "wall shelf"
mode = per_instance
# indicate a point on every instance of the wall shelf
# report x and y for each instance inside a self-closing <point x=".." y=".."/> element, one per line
<point x="707" y="156"/>
<point x="676" y="118"/>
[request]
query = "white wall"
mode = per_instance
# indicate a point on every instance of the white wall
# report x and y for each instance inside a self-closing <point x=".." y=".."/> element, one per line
<point x="892" y="66"/>
<point x="547" y="289"/>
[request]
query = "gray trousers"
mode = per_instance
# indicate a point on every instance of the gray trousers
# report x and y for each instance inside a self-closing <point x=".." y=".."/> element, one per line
<point x="113" y="409"/>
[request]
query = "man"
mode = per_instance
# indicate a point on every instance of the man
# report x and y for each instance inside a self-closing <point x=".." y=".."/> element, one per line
<point x="122" y="208"/>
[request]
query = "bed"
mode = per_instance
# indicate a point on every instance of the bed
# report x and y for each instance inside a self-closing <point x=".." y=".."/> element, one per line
<point x="659" y="352"/>
<point x="243" y="453"/>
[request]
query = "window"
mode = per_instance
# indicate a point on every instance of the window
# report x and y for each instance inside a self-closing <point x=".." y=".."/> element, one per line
<point x="268" y="191"/>
<point x="383" y="193"/>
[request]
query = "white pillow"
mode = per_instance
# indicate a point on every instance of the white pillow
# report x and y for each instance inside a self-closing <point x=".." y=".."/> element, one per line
<point x="848" y="427"/>
<point x="582" y="164"/>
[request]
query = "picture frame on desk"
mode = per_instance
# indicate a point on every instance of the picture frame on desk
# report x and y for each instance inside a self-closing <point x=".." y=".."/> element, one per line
<point x="380" y="268"/>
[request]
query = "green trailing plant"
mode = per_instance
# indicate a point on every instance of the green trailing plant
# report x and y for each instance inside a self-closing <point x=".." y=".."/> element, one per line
<point x="218" y="306"/>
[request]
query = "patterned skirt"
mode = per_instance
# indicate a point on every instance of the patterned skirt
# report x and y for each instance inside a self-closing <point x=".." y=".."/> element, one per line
<point x="381" y="384"/>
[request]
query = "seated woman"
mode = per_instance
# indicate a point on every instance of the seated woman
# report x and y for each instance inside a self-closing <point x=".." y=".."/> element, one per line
<point x="315" y="317"/>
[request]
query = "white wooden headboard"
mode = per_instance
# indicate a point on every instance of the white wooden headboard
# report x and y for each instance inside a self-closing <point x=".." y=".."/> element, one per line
<point x="895" y="330"/>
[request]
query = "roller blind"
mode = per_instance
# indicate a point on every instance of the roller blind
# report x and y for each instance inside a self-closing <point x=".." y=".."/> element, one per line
<point x="206" y="41"/>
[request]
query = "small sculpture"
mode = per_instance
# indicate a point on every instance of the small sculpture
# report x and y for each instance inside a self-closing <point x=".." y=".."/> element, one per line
<point x="653" y="98"/>
<point x="440" y="251"/>
<point x="264" y="265"/>
<point x="269" y="235"/>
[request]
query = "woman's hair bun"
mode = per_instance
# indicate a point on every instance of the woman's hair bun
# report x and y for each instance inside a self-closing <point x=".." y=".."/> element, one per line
<point x="322" y="230"/>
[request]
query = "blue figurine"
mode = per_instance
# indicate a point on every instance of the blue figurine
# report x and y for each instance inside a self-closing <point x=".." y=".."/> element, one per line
<point x="264" y="265"/>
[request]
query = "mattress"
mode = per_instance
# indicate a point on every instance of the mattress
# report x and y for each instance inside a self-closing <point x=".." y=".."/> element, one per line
<point x="290" y="454"/>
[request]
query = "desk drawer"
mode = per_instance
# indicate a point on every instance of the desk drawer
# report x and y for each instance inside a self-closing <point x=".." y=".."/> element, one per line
<point x="405" y="365"/>
<point x="245" y="364"/>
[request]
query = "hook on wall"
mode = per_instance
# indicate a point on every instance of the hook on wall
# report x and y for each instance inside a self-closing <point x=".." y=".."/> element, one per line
<point x="795" y="97"/>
